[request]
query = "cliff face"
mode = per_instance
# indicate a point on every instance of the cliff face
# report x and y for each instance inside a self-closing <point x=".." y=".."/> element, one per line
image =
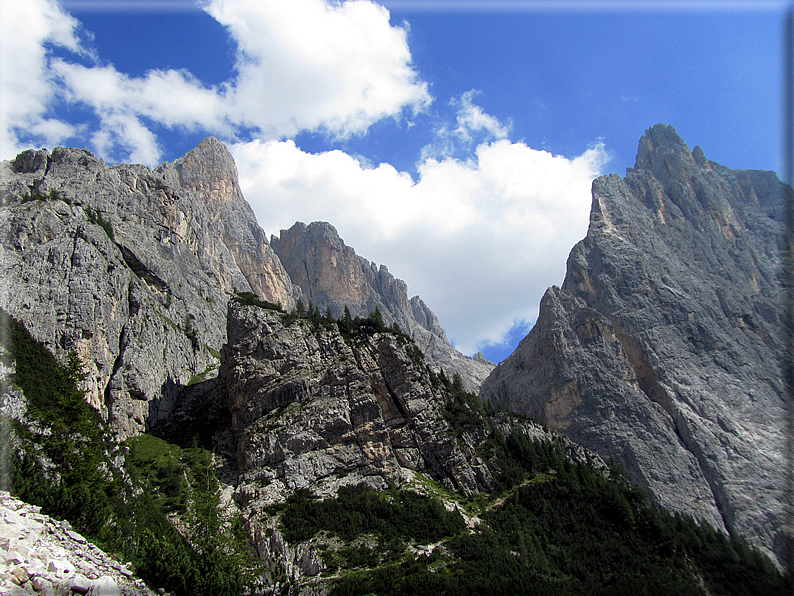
<point x="299" y="405"/>
<point x="130" y="268"/>
<point x="332" y="275"/>
<point x="662" y="346"/>
<point x="309" y="408"/>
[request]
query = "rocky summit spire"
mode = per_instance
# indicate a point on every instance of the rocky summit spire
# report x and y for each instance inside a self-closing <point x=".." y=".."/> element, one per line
<point x="333" y="276"/>
<point x="662" y="347"/>
<point x="209" y="170"/>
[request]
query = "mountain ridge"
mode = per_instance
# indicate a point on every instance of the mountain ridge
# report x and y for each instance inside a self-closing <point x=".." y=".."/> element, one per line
<point x="142" y="264"/>
<point x="661" y="348"/>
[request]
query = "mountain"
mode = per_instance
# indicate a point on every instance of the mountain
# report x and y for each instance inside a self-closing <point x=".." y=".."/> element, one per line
<point x="662" y="347"/>
<point x="231" y="415"/>
<point x="331" y="275"/>
<point x="335" y="461"/>
<point x="132" y="269"/>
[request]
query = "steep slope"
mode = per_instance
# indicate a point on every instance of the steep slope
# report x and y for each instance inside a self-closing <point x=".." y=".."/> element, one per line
<point x="130" y="268"/>
<point x="662" y="346"/>
<point x="333" y="276"/>
<point x="359" y="471"/>
<point x="310" y="405"/>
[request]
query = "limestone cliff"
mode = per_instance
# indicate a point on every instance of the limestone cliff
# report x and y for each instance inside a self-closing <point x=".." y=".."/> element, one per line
<point x="310" y="408"/>
<point x="662" y="346"/>
<point x="332" y="275"/>
<point x="130" y="268"/>
<point x="300" y="405"/>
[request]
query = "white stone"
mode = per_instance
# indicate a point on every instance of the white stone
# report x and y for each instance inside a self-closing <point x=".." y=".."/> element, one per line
<point x="60" y="568"/>
<point x="104" y="586"/>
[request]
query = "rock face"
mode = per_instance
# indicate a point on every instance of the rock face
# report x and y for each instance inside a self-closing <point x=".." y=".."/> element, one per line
<point x="662" y="346"/>
<point x="309" y="408"/>
<point x="130" y="268"/>
<point x="39" y="555"/>
<point x="332" y="275"/>
<point x="305" y="407"/>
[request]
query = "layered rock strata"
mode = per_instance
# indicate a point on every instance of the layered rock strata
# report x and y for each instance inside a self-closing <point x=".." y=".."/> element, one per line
<point x="331" y="275"/>
<point x="305" y="407"/>
<point x="309" y="408"/>
<point x="662" y="346"/>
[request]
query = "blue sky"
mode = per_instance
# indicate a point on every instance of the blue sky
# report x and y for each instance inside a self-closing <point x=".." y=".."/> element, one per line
<point x="452" y="141"/>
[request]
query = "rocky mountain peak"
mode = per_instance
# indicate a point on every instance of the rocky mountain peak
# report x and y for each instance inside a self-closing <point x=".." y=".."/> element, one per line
<point x="333" y="276"/>
<point x="658" y="146"/>
<point x="327" y="270"/>
<point x="209" y="170"/>
<point x="662" y="346"/>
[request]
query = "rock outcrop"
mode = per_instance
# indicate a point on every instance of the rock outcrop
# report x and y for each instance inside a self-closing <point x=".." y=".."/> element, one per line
<point x="39" y="555"/>
<point x="331" y="275"/>
<point x="299" y="405"/>
<point x="662" y="347"/>
<point x="310" y="408"/>
<point x="132" y="269"/>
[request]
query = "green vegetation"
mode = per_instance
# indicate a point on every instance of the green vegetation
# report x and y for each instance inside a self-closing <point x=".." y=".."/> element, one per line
<point x="35" y="195"/>
<point x="191" y="332"/>
<point x="62" y="460"/>
<point x="95" y="217"/>
<point x="550" y="526"/>
<point x="251" y="299"/>
<point x="352" y="329"/>
<point x="361" y="510"/>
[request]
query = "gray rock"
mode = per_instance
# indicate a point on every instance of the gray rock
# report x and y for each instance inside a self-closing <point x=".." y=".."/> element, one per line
<point x="55" y="561"/>
<point x="331" y="275"/>
<point x="307" y="408"/>
<point x="662" y="346"/>
<point x="312" y="410"/>
<point x="131" y="269"/>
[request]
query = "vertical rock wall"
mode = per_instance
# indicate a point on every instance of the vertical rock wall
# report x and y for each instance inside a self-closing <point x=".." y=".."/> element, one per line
<point x="662" y="347"/>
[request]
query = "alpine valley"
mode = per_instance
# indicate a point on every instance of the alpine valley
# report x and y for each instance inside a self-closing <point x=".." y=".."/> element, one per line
<point x="189" y="407"/>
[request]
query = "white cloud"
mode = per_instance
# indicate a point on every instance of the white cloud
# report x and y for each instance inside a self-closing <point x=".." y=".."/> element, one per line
<point x="26" y="86"/>
<point x="171" y="98"/>
<point x="472" y="118"/>
<point x="480" y="240"/>
<point x="301" y="65"/>
<point x="481" y="233"/>
<point x="310" y="64"/>
<point x="474" y="127"/>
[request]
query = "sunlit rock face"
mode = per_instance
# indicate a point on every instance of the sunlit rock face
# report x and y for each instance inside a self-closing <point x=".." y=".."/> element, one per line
<point x="131" y="268"/>
<point x="332" y="275"/>
<point x="662" y="348"/>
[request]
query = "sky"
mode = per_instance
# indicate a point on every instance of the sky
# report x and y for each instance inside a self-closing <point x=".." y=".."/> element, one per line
<point x="454" y="141"/>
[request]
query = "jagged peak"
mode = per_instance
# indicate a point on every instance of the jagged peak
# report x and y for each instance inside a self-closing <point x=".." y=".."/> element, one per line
<point x="316" y="231"/>
<point x="209" y="169"/>
<point x="658" y="142"/>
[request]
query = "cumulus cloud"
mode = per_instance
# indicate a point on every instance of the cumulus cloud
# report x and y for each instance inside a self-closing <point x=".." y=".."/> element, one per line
<point x="479" y="239"/>
<point x="480" y="233"/>
<point x="301" y="65"/>
<point x="310" y="64"/>
<point x="26" y="86"/>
